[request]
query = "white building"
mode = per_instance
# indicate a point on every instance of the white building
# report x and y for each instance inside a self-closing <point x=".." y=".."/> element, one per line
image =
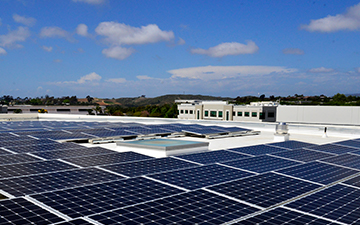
<point x="222" y="110"/>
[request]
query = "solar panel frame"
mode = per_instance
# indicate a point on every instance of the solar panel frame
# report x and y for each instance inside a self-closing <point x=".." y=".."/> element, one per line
<point x="265" y="190"/>
<point x="195" y="207"/>
<point x="45" y="147"/>
<point x="91" y="199"/>
<point x="256" y="150"/>
<point x="211" y="157"/>
<point x="17" y="158"/>
<point x="107" y="159"/>
<point x="21" y="186"/>
<point x="303" y="155"/>
<point x="331" y="148"/>
<point x="198" y="177"/>
<point x="347" y="160"/>
<point x="339" y="202"/>
<point x="151" y="166"/>
<point x="291" y="144"/>
<point x="319" y="172"/>
<point x="261" y="164"/>
<point x="75" y="152"/>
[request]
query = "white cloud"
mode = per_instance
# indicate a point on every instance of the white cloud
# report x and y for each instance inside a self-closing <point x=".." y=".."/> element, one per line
<point x="90" y="77"/>
<point x="357" y="69"/>
<point x="321" y="70"/>
<point x="82" y="30"/>
<point x="2" y="51"/>
<point x="293" y="51"/>
<point x="350" y="20"/>
<point x="27" y="21"/>
<point x="120" y="34"/>
<point x="118" y="52"/>
<point x="224" y="72"/>
<point x="144" y="77"/>
<point x="10" y="39"/>
<point x="39" y="88"/>
<point x="48" y="49"/>
<point x="229" y="48"/>
<point x="181" y="41"/>
<point x="117" y="80"/>
<point x="56" y="32"/>
<point x="57" y="61"/>
<point x="92" y="2"/>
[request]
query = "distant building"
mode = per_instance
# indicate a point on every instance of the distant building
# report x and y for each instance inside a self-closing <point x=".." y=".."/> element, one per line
<point x="53" y="109"/>
<point x="3" y="109"/>
<point x="222" y="110"/>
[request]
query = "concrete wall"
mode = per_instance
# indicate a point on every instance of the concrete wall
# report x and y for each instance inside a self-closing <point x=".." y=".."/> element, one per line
<point x="342" y="115"/>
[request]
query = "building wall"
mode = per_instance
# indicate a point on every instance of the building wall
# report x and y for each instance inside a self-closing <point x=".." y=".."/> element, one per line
<point x="187" y="111"/>
<point x="247" y="113"/>
<point x="347" y="115"/>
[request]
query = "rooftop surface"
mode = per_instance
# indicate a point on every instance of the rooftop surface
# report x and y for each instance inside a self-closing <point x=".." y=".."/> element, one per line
<point x="246" y="179"/>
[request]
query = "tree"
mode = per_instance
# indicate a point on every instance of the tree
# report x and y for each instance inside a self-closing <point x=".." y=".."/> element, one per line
<point x="89" y="99"/>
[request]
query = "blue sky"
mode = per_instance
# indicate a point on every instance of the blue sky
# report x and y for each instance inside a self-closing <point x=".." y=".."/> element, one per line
<point x="115" y="48"/>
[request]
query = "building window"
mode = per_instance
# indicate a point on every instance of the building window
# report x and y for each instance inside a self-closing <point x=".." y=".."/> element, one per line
<point x="191" y="112"/>
<point x="212" y="113"/>
<point x="254" y="114"/>
<point x="234" y="113"/>
<point x="206" y="113"/>
<point x="271" y="114"/>
<point x="186" y="111"/>
<point x="239" y="113"/>
<point x="181" y="111"/>
<point x="262" y="115"/>
<point x="247" y="114"/>
<point x="220" y="113"/>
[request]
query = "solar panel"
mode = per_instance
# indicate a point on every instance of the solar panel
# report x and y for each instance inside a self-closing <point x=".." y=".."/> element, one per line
<point x="195" y="207"/>
<point x="21" y="211"/>
<point x="91" y="199"/>
<point x="150" y="166"/>
<point x="4" y="152"/>
<point x="212" y="156"/>
<point x="79" y="221"/>
<point x="258" y="149"/>
<point x="338" y="202"/>
<point x="202" y="176"/>
<point x="17" y="158"/>
<point x="22" y="169"/>
<point x="303" y="155"/>
<point x="348" y="160"/>
<point x="261" y="164"/>
<point x="105" y="159"/>
<point x="265" y="190"/>
<point x="68" y="153"/>
<point x="45" y="147"/>
<point x="22" y="142"/>
<point x="281" y="216"/>
<point x="319" y="172"/>
<point x="349" y="143"/>
<point x="291" y="144"/>
<point x="202" y="131"/>
<point x="330" y="148"/>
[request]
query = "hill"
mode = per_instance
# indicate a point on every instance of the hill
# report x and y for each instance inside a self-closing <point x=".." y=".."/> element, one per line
<point x="160" y="100"/>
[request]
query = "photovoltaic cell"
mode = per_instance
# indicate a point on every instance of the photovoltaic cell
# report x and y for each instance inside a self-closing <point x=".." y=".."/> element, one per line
<point x="17" y="158"/>
<point x="330" y="148"/>
<point x="41" y="148"/>
<point x="348" y="160"/>
<point x="265" y="190"/>
<point x="106" y="159"/>
<point x="20" y="186"/>
<point x="258" y="149"/>
<point x="149" y="166"/>
<point x="68" y="153"/>
<point x="195" y="207"/>
<point x="291" y="144"/>
<point x="303" y="155"/>
<point x="261" y="164"/>
<point x="22" y="169"/>
<point x="87" y="200"/>
<point x="75" y="222"/>
<point x="212" y="156"/>
<point x="353" y="181"/>
<point x="20" y="211"/>
<point x="349" y="143"/>
<point x="202" y="176"/>
<point x="338" y="202"/>
<point x="31" y="141"/>
<point x="3" y="152"/>
<point x="279" y="216"/>
<point x="319" y="172"/>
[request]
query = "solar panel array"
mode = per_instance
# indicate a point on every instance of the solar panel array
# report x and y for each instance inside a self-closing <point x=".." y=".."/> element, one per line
<point x="293" y="182"/>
